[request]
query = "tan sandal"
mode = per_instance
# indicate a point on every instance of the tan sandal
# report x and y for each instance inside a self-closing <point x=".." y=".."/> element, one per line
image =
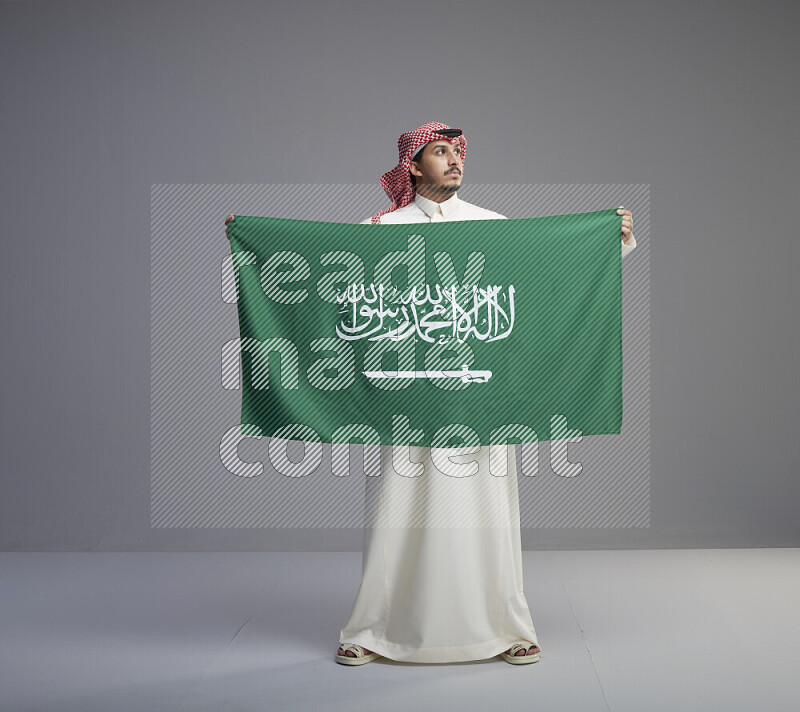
<point x="361" y="657"/>
<point x="514" y="659"/>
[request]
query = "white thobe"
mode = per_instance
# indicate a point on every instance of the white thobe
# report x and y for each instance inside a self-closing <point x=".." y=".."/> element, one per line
<point x="442" y="562"/>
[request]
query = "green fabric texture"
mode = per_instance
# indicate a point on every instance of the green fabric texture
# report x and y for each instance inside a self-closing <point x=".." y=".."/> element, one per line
<point x="529" y="309"/>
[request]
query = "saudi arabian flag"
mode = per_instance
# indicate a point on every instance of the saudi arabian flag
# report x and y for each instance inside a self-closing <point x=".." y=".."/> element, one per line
<point x="445" y="334"/>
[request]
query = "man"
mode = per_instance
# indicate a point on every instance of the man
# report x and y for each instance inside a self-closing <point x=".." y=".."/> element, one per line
<point x="442" y="594"/>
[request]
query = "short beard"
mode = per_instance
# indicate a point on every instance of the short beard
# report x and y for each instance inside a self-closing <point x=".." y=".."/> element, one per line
<point x="441" y="188"/>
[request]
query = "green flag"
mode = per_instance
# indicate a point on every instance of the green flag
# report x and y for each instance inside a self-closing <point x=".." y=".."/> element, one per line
<point x="445" y="334"/>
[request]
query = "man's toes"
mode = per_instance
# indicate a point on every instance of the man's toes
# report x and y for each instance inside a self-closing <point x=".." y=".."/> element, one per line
<point x="532" y="650"/>
<point x="351" y="653"/>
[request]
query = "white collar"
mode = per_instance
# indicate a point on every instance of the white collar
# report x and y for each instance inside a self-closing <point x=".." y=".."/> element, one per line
<point x="429" y="207"/>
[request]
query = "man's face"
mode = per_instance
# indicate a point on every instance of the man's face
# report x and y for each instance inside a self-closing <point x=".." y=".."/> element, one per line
<point x="439" y="167"/>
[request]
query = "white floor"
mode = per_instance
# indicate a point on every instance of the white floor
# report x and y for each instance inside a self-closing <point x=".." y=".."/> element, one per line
<point x="620" y="630"/>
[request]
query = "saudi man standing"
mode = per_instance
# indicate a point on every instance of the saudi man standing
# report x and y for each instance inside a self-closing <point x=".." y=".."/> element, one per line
<point x="442" y="564"/>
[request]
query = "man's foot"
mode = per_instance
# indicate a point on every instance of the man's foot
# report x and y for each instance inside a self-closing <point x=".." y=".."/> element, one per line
<point x="350" y="653"/>
<point x="532" y="650"/>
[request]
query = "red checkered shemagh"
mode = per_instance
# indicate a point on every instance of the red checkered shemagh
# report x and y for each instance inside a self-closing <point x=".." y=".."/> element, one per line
<point x="397" y="182"/>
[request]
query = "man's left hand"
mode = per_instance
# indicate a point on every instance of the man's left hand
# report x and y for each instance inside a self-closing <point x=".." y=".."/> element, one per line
<point x="627" y="224"/>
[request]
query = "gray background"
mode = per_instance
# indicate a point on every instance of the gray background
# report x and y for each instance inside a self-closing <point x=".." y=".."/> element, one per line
<point x="103" y="100"/>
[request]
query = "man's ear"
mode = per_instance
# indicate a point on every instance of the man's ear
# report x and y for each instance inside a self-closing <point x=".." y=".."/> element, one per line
<point x="413" y="168"/>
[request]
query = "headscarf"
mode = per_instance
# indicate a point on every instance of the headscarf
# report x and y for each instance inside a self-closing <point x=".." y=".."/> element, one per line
<point x="397" y="182"/>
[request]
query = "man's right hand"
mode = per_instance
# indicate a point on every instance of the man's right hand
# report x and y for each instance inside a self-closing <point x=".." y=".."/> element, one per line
<point x="227" y="220"/>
